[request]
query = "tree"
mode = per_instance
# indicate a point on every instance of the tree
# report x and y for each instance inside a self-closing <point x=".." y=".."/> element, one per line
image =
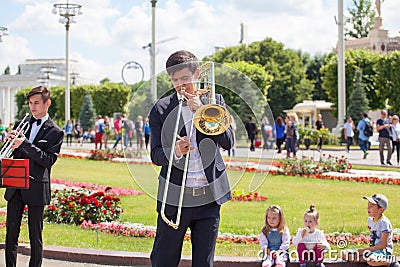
<point x="313" y="72"/>
<point x="7" y="71"/>
<point x="105" y="80"/>
<point x="388" y="79"/>
<point x="362" y="18"/>
<point x="87" y="116"/>
<point x="243" y="86"/>
<point x="110" y="97"/>
<point x="358" y="101"/>
<point x="362" y="59"/>
<point x="284" y="65"/>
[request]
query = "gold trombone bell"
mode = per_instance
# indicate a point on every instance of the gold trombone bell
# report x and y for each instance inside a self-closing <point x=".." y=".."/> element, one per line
<point x="212" y="119"/>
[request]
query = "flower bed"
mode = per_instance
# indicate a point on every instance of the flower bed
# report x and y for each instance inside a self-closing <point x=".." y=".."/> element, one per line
<point x="73" y="206"/>
<point x="140" y="230"/>
<point x="105" y="154"/>
<point x="239" y="195"/>
<point x="305" y="166"/>
<point x="117" y="191"/>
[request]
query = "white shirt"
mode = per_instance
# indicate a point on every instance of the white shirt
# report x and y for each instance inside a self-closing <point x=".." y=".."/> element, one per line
<point x="196" y="176"/>
<point x="35" y="128"/>
<point x="311" y="238"/>
<point x="348" y="127"/>
<point x="379" y="227"/>
<point x="396" y="131"/>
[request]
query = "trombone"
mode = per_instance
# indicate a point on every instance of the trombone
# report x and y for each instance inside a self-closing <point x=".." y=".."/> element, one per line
<point x="210" y="119"/>
<point x="7" y="150"/>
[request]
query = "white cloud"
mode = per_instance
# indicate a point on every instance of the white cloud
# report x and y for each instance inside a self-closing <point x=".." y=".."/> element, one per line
<point x="13" y="49"/>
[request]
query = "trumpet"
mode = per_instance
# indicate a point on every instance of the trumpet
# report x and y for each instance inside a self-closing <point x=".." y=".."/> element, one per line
<point x="23" y="128"/>
<point x="210" y="119"/>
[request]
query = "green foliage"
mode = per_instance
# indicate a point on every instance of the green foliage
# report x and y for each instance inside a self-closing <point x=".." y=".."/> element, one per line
<point x="360" y="59"/>
<point x="78" y="94"/>
<point x="73" y="206"/>
<point x="105" y="80"/>
<point x="237" y="83"/>
<point x="361" y="19"/>
<point x="307" y="133"/>
<point x="107" y="98"/>
<point x="22" y="103"/>
<point x="164" y="86"/>
<point x="110" y="97"/>
<point x="284" y="65"/>
<point x="388" y="79"/>
<point x="314" y="75"/>
<point x="313" y="134"/>
<point x="307" y="166"/>
<point x="87" y="115"/>
<point x="7" y="70"/>
<point x="358" y="100"/>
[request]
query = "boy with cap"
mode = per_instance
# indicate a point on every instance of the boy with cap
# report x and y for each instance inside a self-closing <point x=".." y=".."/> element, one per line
<point x="381" y="244"/>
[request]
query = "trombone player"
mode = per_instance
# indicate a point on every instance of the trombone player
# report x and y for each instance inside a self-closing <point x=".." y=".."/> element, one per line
<point x="41" y="145"/>
<point x="206" y="183"/>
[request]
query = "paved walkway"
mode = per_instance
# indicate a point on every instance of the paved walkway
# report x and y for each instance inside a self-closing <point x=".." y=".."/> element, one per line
<point x="23" y="261"/>
<point x="355" y="156"/>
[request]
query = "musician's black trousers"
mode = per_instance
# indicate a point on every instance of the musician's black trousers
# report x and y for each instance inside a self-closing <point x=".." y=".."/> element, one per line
<point x="203" y="222"/>
<point x="15" y="208"/>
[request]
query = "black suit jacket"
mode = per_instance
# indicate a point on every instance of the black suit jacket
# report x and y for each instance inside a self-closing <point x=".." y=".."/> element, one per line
<point x="42" y="154"/>
<point x="162" y="122"/>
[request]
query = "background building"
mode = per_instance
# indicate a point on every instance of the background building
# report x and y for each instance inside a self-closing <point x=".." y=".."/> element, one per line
<point x="378" y="40"/>
<point x="31" y="73"/>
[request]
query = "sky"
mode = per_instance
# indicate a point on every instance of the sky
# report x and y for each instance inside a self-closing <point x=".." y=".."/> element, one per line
<point x="111" y="33"/>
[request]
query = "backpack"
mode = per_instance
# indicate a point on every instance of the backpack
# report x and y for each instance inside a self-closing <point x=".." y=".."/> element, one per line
<point x="369" y="129"/>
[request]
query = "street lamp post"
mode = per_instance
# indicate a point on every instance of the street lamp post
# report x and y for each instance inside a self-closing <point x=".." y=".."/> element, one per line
<point x="341" y="71"/>
<point x="3" y="32"/>
<point x="67" y="12"/>
<point x="153" y="50"/>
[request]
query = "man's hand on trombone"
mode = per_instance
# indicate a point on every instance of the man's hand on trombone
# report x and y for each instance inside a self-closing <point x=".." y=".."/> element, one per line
<point x="182" y="146"/>
<point x="193" y="101"/>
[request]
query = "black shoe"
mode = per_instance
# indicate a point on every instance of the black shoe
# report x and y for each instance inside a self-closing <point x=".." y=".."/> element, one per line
<point x="389" y="163"/>
<point x="382" y="163"/>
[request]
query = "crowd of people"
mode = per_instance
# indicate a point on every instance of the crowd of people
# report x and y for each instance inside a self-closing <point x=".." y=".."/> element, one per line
<point x="123" y="130"/>
<point x="285" y="134"/>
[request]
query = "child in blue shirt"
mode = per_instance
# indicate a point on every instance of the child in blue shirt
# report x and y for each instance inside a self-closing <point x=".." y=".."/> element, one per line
<point x="274" y="238"/>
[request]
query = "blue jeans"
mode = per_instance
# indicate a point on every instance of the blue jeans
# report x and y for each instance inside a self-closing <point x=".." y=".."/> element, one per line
<point x="363" y="145"/>
<point x="117" y="139"/>
<point x="126" y="139"/>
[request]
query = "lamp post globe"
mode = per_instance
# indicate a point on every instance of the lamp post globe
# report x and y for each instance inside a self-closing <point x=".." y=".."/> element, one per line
<point x="132" y="65"/>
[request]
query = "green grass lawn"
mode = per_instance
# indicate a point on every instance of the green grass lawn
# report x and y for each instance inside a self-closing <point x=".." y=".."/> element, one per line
<point x="340" y="205"/>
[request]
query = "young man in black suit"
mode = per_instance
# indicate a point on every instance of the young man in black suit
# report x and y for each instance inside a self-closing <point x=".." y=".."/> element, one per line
<point x="207" y="186"/>
<point x="41" y="146"/>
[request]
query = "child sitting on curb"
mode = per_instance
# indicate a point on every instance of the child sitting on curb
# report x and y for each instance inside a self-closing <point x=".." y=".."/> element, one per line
<point x="310" y="241"/>
<point x="274" y="238"/>
<point x="381" y="244"/>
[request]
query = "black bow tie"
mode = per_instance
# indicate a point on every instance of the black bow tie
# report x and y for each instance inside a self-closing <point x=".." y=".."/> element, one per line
<point x="33" y="119"/>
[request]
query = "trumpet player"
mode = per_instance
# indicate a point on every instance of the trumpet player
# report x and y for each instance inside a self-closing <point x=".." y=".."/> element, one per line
<point x="40" y="145"/>
<point x="206" y="184"/>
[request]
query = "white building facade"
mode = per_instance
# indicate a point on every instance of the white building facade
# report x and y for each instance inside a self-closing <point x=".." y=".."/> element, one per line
<point x="33" y="72"/>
